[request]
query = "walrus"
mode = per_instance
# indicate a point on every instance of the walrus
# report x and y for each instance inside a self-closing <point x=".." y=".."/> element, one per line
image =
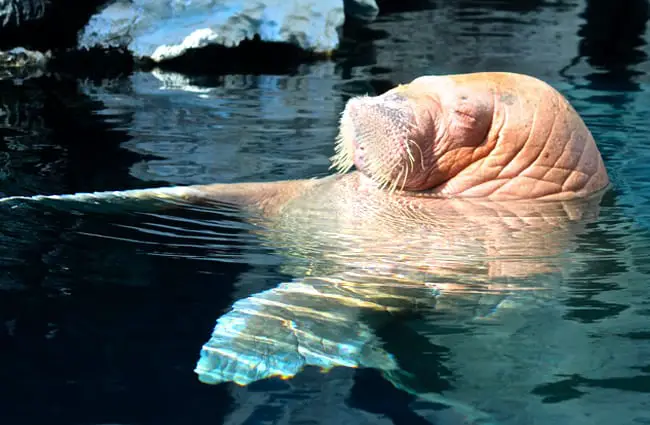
<point x="463" y="184"/>
<point x="503" y="144"/>
<point x="492" y="136"/>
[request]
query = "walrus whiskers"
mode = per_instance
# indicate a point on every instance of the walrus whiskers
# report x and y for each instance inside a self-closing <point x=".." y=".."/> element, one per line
<point x="393" y="186"/>
<point x="408" y="152"/>
<point x="384" y="175"/>
<point x="421" y="154"/>
<point x="342" y="160"/>
<point x="404" y="181"/>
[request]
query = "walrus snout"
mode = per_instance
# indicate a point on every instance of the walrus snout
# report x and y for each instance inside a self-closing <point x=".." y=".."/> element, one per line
<point x="377" y="136"/>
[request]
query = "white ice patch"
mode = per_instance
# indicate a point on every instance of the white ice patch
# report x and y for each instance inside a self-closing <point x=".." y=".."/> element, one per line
<point x="165" y="29"/>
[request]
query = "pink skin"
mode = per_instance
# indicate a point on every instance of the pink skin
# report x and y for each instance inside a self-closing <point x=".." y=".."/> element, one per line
<point x="496" y="136"/>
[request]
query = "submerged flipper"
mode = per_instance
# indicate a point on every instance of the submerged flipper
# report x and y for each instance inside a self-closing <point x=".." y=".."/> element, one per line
<point x="306" y="322"/>
<point x="321" y="322"/>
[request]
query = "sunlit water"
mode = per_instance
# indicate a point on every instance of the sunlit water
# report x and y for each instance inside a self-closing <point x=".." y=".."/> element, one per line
<point x="105" y="311"/>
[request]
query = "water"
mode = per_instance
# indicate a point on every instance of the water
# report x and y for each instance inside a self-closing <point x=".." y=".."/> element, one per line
<point x="104" y="312"/>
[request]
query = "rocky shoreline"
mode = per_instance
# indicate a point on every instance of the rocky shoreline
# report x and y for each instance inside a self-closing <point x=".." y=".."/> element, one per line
<point x="34" y="34"/>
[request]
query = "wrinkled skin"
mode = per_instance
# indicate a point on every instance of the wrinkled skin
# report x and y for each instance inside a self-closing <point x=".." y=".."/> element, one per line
<point x="464" y="185"/>
<point x="497" y="136"/>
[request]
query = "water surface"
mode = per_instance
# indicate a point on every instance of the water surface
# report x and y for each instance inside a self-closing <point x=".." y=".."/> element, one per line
<point x="104" y="313"/>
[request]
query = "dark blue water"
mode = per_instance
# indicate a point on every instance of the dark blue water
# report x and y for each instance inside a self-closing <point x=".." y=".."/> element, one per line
<point x="102" y="316"/>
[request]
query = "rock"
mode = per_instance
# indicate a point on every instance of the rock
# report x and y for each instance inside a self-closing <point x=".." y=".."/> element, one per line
<point x="14" y="13"/>
<point x="365" y="10"/>
<point x="166" y="29"/>
<point x="20" y="64"/>
<point x="44" y="24"/>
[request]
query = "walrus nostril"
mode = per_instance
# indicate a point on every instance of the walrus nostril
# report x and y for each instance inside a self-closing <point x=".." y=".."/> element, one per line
<point x="359" y="159"/>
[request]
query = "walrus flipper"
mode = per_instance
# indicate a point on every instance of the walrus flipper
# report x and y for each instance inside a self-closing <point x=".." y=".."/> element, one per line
<point x="266" y="197"/>
<point x="122" y="199"/>
<point x="321" y="322"/>
<point x="278" y="332"/>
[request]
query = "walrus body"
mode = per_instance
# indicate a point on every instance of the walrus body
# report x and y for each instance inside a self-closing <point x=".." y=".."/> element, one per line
<point x="463" y="183"/>
<point x="487" y="154"/>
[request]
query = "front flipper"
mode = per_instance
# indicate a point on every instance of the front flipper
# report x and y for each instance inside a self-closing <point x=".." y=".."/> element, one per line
<point x="266" y="197"/>
<point x="102" y="201"/>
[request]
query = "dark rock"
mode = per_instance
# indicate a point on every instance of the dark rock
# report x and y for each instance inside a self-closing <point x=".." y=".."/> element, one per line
<point x="43" y="24"/>
<point x="14" y="13"/>
<point x="21" y="64"/>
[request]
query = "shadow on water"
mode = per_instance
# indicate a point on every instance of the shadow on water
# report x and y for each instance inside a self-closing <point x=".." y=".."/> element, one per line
<point x="75" y="315"/>
<point x="614" y="50"/>
<point x="103" y="315"/>
<point x="78" y="312"/>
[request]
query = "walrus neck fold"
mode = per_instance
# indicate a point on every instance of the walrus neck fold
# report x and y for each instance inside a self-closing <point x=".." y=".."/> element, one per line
<point x="457" y="134"/>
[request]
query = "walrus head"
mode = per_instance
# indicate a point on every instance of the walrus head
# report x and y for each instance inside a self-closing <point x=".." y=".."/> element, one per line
<point x="409" y="138"/>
